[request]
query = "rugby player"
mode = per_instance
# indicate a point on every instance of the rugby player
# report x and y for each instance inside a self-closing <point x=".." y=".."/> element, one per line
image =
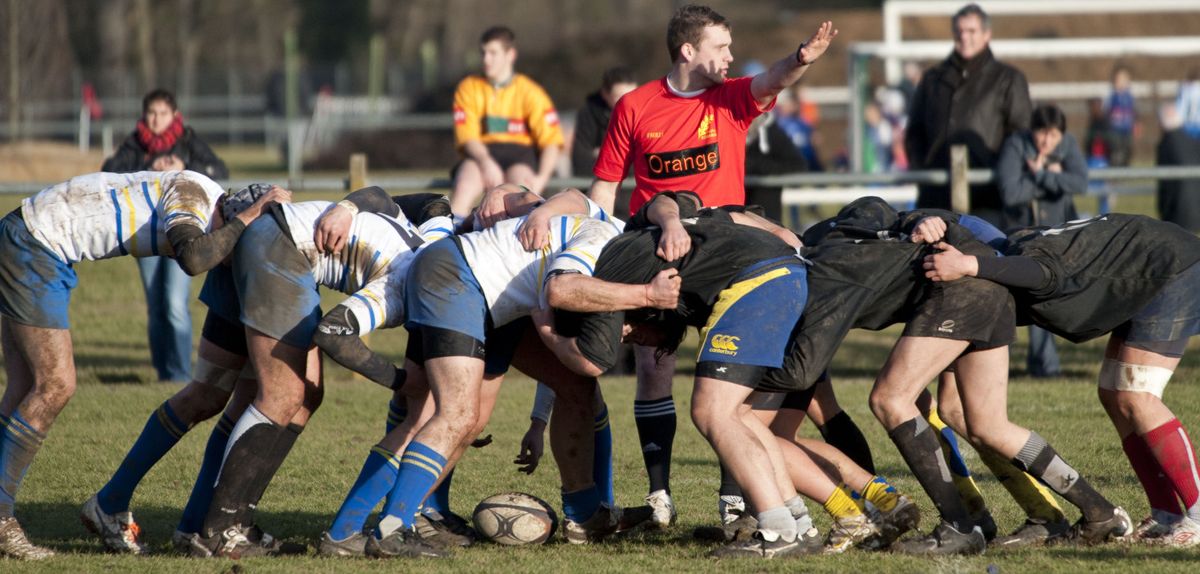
<point x="436" y="524"/>
<point x="92" y="217"/>
<point x="1131" y="277"/>
<point x="222" y="379"/>
<point x="967" y="324"/>
<point x="460" y="291"/>
<point x="276" y="272"/>
<point x="687" y="130"/>
<point x="747" y="287"/>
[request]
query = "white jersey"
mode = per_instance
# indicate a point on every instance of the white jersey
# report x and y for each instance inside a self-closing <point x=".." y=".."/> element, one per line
<point x="513" y="279"/>
<point x="104" y="215"/>
<point x="372" y="267"/>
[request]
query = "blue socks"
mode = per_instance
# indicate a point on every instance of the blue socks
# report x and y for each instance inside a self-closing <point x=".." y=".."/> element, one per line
<point x="19" y="443"/>
<point x="602" y="462"/>
<point x="955" y="459"/>
<point x="581" y="504"/>
<point x="376" y="479"/>
<point x="158" y="437"/>
<point x="420" y="467"/>
<point x="198" y="503"/>
<point x="439" y="499"/>
<point x="397" y="412"/>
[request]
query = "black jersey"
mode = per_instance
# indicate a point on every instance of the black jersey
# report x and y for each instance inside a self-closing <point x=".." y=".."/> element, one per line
<point x="1100" y="271"/>
<point x="721" y="250"/>
<point x="865" y="273"/>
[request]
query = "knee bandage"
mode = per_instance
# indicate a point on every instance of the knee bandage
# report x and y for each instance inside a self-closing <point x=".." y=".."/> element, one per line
<point x="1118" y="376"/>
<point x="209" y="373"/>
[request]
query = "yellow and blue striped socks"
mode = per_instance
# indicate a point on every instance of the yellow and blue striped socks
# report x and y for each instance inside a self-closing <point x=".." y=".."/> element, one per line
<point x="376" y="479"/>
<point x="162" y="431"/>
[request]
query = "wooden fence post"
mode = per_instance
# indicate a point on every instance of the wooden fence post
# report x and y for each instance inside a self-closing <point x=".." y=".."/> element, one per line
<point x="960" y="190"/>
<point x="358" y="171"/>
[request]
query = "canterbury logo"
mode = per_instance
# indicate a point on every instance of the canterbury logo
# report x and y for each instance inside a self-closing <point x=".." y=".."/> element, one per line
<point x="724" y="344"/>
<point x="947" y="326"/>
<point x="707" y="129"/>
<point x="689" y="161"/>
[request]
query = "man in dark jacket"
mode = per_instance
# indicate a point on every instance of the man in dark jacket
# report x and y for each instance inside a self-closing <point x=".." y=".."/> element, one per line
<point x="970" y="99"/>
<point x="591" y="123"/>
<point x="1178" y="199"/>
<point x="162" y="143"/>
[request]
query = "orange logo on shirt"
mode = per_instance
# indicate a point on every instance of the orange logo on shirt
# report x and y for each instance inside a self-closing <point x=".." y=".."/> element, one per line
<point x="707" y="129"/>
<point x="663" y="165"/>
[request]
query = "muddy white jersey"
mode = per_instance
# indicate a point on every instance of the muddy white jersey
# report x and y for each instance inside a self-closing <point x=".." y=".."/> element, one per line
<point x="102" y="215"/>
<point x="372" y="266"/>
<point x="513" y="279"/>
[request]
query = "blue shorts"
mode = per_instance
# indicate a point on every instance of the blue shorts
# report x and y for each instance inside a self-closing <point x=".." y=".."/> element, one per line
<point x="752" y="322"/>
<point x="275" y="285"/>
<point x="219" y="294"/>
<point x="1172" y="315"/>
<point x="442" y="293"/>
<point x="35" y="285"/>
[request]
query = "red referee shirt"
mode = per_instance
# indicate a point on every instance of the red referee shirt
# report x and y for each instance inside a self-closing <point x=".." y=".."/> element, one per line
<point x="696" y="143"/>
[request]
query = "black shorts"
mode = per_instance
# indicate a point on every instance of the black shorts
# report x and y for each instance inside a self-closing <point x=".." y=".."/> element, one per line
<point x="508" y="155"/>
<point x="791" y="400"/>
<point x="226" y="334"/>
<point x="497" y="353"/>
<point x="969" y="309"/>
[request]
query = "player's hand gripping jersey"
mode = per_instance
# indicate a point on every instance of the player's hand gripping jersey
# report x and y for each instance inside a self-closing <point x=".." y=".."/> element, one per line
<point x="513" y="279"/>
<point x="104" y="215"/>
<point x="694" y="142"/>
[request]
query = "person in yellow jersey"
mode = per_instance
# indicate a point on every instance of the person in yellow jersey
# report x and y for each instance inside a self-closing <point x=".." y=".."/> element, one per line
<point x="505" y="126"/>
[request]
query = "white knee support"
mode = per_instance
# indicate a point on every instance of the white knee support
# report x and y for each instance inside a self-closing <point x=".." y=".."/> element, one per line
<point x="1118" y="376"/>
<point x="209" y="373"/>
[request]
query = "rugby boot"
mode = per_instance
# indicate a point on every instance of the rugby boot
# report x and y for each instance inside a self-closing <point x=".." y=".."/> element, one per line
<point x="353" y="546"/>
<point x="663" y="509"/>
<point x="768" y="545"/>
<point x="603" y="523"/>
<point x="730" y="507"/>
<point x="118" y="531"/>
<point x="902" y="518"/>
<point x="401" y="543"/>
<point x="741" y="529"/>
<point x="848" y="532"/>
<point x="1087" y="533"/>
<point x="944" y="540"/>
<point x="983" y="519"/>
<point x="1035" y="532"/>
<point x="1183" y="534"/>
<point x="634" y="516"/>
<point x="1150" y="531"/>
<point x="432" y="530"/>
<point x="14" y="544"/>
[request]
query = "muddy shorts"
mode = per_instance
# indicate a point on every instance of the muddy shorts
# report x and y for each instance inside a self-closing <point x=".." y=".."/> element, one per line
<point x="752" y="322"/>
<point x="969" y="309"/>
<point x="1172" y="316"/>
<point x="35" y="284"/>
<point x="275" y="285"/>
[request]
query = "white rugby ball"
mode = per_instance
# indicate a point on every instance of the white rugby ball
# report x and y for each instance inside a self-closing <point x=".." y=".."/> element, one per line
<point x="515" y="518"/>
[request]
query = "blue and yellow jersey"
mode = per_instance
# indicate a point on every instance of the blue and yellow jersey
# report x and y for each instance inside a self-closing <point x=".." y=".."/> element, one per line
<point x="518" y="112"/>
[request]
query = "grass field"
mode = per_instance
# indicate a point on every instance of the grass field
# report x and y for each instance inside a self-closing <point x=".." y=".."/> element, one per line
<point x="116" y="394"/>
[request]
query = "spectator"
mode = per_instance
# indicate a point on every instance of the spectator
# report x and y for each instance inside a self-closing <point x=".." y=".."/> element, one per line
<point x="162" y="142"/>
<point x="769" y="151"/>
<point x="969" y="99"/>
<point x="799" y="122"/>
<point x="1188" y="103"/>
<point x="1178" y="199"/>
<point x="879" y="135"/>
<point x="1121" y="113"/>
<point x="592" y="121"/>
<point x="1038" y="171"/>
<point x="505" y="126"/>
<point x="1097" y="134"/>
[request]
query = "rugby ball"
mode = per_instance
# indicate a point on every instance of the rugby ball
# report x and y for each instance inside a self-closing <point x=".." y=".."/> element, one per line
<point x="515" y="518"/>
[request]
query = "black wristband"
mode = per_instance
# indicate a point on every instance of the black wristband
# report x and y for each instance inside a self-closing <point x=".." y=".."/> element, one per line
<point x="799" y="58"/>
